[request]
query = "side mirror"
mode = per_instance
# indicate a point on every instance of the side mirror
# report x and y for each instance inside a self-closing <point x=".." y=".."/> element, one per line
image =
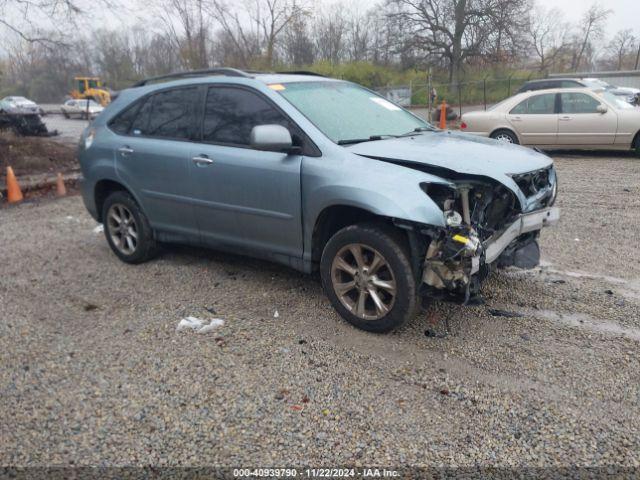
<point x="602" y="108"/>
<point x="271" y="138"/>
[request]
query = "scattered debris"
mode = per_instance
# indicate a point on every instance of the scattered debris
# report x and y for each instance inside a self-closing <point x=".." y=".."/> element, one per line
<point x="90" y="307"/>
<point x="302" y="341"/>
<point x="215" y="323"/>
<point x="211" y="310"/>
<point x="297" y="408"/>
<point x="444" y="391"/>
<point x="276" y="314"/>
<point x="190" y="322"/>
<point x="626" y="190"/>
<point x="99" y="229"/>
<point x="198" y="325"/>
<point x="525" y="337"/>
<point x="558" y="280"/>
<point x="608" y="292"/>
<point x="504" y="313"/>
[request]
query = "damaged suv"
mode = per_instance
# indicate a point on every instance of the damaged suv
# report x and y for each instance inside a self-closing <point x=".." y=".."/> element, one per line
<point x="320" y="175"/>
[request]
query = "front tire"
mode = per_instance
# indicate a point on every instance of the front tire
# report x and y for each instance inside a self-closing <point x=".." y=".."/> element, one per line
<point x="127" y="229"/>
<point x="367" y="275"/>
<point x="506" y="136"/>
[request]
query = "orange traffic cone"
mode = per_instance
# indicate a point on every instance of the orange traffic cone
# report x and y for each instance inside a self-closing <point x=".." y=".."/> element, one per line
<point x="14" y="194"/>
<point x="61" y="190"/>
<point x="443" y="116"/>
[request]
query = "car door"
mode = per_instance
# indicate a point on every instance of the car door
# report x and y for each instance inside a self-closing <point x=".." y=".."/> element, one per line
<point x="535" y="119"/>
<point x="580" y="122"/>
<point x="153" y="158"/>
<point x="246" y="198"/>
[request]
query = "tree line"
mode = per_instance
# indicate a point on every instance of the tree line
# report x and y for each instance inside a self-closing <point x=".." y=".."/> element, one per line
<point x="394" y="41"/>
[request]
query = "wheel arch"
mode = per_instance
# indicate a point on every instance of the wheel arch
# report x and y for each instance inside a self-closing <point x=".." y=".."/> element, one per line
<point x="334" y="218"/>
<point x="103" y="188"/>
<point x="635" y="143"/>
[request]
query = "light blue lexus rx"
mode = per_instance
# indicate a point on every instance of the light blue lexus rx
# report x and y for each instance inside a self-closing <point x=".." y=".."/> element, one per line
<point x="318" y="174"/>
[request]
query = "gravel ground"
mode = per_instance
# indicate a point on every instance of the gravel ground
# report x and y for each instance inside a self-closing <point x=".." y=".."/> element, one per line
<point x="94" y="372"/>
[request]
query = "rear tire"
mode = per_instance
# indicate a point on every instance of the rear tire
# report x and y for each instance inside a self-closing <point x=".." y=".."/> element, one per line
<point x="375" y="289"/>
<point x="506" y="136"/>
<point x="636" y="145"/>
<point x="127" y="229"/>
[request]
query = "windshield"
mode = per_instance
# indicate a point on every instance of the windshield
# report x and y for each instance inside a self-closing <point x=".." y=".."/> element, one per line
<point x="343" y="111"/>
<point x="617" y="102"/>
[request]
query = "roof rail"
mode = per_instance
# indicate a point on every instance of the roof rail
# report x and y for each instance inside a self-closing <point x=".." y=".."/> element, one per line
<point x="229" y="72"/>
<point x="302" y="72"/>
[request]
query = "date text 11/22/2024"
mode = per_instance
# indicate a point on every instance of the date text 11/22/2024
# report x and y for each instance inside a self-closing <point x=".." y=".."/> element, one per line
<point x="315" y="473"/>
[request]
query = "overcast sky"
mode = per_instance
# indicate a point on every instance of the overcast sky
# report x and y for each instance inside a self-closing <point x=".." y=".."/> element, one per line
<point x="626" y="13"/>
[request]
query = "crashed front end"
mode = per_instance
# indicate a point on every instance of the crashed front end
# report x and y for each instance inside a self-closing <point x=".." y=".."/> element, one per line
<point x="487" y="225"/>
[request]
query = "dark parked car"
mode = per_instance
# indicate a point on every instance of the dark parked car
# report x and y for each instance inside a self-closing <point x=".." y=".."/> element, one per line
<point x="317" y="174"/>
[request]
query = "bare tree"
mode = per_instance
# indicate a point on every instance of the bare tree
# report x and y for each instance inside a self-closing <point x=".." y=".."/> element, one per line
<point x="330" y="32"/>
<point x="298" y="48"/>
<point x="187" y="24"/>
<point x="454" y="30"/>
<point x="622" y="46"/>
<point x="592" y="28"/>
<point x="548" y="36"/>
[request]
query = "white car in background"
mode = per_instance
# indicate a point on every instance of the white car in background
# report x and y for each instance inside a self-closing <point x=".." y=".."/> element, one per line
<point x="19" y="105"/>
<point x="560" y="118"/>
<point x="81" y="108"/>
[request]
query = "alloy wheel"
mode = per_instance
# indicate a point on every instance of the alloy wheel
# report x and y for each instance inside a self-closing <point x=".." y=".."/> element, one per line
<point x="503" y="137"/>
<point x="122" y="228"/>
<point x="363" y="281"/>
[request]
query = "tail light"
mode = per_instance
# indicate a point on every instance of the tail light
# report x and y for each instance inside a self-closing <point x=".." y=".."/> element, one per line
<point x="463" y="126"/>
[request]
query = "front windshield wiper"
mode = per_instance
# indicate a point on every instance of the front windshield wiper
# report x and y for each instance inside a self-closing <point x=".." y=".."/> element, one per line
<point x="418" y="130"/>
<point x="372" y="138"/>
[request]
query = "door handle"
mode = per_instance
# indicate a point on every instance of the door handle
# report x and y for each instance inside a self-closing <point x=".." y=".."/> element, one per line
<point x="565" y="118"/>
<point x="202" y="161"/>
<point x="125" y="150"/>
<point x="516" y="119"/>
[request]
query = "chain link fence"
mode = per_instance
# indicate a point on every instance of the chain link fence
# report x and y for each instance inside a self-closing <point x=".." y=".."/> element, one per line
<point x="461" y="97"/>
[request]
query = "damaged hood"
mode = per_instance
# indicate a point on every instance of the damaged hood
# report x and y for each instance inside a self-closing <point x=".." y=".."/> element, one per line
<point x="456" y="152"/>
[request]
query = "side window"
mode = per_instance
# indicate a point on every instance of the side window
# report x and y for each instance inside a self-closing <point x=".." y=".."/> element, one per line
<point x="578" y="103"/>
<point x="541" y="104"/>
<point x="122" y="122"/>
<point x="172" y="114"/>
<point x="519" y="109"/>
<point x="570" y="84"/>
<point x="141" y="117"/>
<point x="231" y="113"/>
<point x="536" y="105"/>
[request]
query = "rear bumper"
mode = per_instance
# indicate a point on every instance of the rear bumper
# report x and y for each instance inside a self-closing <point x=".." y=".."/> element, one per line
<point x="527" y="222"/>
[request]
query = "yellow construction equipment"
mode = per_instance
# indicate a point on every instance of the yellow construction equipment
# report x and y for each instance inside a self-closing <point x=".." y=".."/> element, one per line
<point x="90" y="88"/>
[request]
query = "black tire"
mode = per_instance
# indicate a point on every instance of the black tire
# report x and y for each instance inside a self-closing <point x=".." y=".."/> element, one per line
<point x="636" y="145"/>
<point x="506" y="136"/>
<point x="145" y="246"/>
<point x="66" y="115"/>
<point x="389" y="243"/>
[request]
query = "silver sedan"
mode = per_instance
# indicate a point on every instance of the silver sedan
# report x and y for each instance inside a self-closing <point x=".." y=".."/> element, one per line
<point x="577" y="118"/>
<point x="81" y="108"/>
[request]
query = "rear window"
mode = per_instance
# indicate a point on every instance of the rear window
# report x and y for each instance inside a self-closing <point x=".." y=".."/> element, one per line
<point x="169" y="114"/>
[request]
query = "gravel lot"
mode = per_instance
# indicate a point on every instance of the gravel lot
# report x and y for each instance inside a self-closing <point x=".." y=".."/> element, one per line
<point x="94" y="372"/>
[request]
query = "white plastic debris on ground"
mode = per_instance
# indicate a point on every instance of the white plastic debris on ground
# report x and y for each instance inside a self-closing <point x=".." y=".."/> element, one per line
<point x="197" y="325"/>
<point x="99" y="229"/>
<point x="276" y="314"/>
<point x="215" y="323"/>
